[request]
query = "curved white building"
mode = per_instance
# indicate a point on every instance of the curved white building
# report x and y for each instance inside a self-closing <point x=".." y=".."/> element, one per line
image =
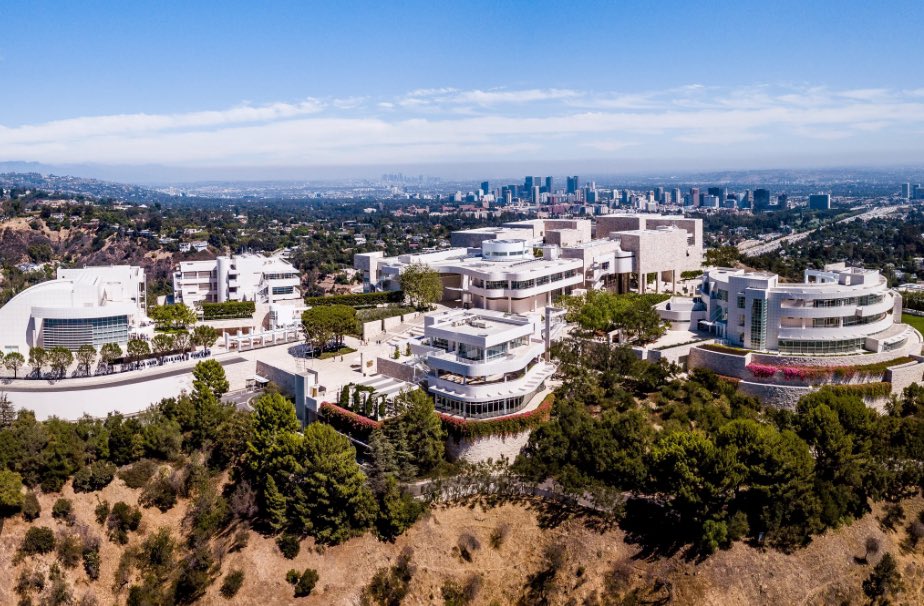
<point x="480" y="363"/>
<point x="94" y="305"/>
<point x="835" y="311"/>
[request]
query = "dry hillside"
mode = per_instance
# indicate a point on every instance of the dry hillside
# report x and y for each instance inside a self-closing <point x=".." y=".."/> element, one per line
<point x="564" y="560"/>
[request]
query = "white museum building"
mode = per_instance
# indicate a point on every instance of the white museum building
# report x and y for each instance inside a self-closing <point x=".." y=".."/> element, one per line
<point x="94" y="305"/>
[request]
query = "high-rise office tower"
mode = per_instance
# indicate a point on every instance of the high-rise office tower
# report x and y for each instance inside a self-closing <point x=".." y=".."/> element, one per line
<point x="676" y="197"/>
<point x="485" y="187"/>
<point x="761" y="199"/>
<point x="782" y="201"/>
<point x="906" y="190"/>
<point x="536" y="194"/>
<point x="573" y="185"/>
<point x="548" y="185"/>
<point x="820" y="201"/>
<point x="719" y="192"/>
<point x="659" y="195"/>
<point x="528" y="184"/>
<point x="694" y="196"/>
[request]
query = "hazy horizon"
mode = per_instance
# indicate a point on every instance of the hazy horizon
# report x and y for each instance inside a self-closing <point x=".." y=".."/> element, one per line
<point x="477" y="90"/>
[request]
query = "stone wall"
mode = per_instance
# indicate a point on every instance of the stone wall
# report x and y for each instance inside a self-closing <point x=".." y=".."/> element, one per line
<point x="781" y="396"/>
<point x="395" y="369"/>
<point x="477" y="450"/>
<point x="785" y="393"/>
<point x="902" y="376"/>
<point x="374" y="328"/>
<point x="729" y="365"/>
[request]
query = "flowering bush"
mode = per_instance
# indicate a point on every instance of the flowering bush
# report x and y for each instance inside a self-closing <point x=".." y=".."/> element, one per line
<point x="838" y="373"/>
<point x="762" y="370"/>
<point x="348" y="421"/>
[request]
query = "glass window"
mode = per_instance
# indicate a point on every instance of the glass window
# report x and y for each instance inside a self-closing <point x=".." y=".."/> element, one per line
<point x="74" y="332"/>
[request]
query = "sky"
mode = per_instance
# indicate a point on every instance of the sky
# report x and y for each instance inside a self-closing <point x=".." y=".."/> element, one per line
<point x="347" y="86"/>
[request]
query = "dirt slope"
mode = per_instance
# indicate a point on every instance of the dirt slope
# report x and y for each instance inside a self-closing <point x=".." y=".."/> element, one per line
<point x="596" y="566"/>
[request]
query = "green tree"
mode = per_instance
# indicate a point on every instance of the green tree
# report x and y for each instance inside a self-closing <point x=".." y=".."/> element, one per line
<point x="272" y="459"/>
<point x="723" y="256"/>
<point x="109" y="353"/>
<point x="7" y="414"/>
<point x="336" y="503"/>
<point x="602" y="311"/>
<point x="11" y="495"/>
<point x="86" y="355"/>
<point x="60" y="358"/>
<point x="325" y="323"/>
<point x="883" y="581"/>
<point x="397" y="510"/>
<point x="422" y="285"/>
<point x="14" y="361"/>
<point x="137" y="349"/>
<point x="172" y="316"/>
<point x="181" y="341"/>
<point x="274" y="505"/>
<point x="694" y="475"/>
<point x="161" y="344"/>
<point x="422" y="429"/>
<point x="210" y="375"/>
<point x="204" y="336"/>
<point x="37" y="359"/>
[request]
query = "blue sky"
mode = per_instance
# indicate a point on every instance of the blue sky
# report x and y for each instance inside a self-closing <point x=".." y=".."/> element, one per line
<point x="636" y="84"/>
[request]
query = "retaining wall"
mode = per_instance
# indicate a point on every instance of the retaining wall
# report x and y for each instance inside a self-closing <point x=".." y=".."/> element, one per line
<point x="785" y="393"/>
<point x="477" y="450"/>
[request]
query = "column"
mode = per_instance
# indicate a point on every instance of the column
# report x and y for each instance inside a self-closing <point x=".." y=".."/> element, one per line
<point x="674" y="281"/>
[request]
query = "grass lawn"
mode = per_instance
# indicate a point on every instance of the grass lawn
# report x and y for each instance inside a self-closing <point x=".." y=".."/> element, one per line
<point x="340" y="352"/>
<point x="914" y="321"/>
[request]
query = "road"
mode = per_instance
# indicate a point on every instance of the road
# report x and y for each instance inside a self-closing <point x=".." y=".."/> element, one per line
<point x="751" y="249"/>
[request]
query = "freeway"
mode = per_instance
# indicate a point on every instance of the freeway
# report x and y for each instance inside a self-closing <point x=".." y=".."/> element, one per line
<point x="750" y="248"/>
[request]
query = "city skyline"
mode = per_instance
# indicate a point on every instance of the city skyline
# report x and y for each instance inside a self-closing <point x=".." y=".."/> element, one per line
<point x="193" y="90"/>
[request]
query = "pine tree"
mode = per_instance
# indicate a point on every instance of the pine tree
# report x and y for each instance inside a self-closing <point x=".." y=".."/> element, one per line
<point x="274" y="505"/>
<point x="337" y="500"/>
<point x="7" y="411"/>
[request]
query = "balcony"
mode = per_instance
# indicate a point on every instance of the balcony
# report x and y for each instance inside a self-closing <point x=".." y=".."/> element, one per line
<point x="482" y="392"/>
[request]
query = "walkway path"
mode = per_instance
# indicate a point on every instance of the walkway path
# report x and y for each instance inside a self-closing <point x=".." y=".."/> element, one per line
<point x="112" y="380"/>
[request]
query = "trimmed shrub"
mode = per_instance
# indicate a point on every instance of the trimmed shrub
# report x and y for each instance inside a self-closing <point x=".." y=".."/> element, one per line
<point x="228" y="310"/>
<point x="499" y="535"/>
<point x="390" y="585"/>
<point x="289" y="546"/>
<point x="358" y="299"/>
<point x="160" y="492"/>
<point x="31" y="509"/>
<point x="122" y="519"/>
<point x="63" y="510"/>
<point x="138" y="474"/>
<point x="306" y="583"/>
<point x="95" y="476"/>
<point x="101" y="512"/>
<point x="467" y="545"/>
<point x="69" y="549"/>
<point x="91" y="559"/>
<point x="232" y="583"/>
<point x="38" y="539"/>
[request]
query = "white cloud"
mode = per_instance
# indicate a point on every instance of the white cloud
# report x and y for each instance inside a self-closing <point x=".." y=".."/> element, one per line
<point x="442" y="124"/>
